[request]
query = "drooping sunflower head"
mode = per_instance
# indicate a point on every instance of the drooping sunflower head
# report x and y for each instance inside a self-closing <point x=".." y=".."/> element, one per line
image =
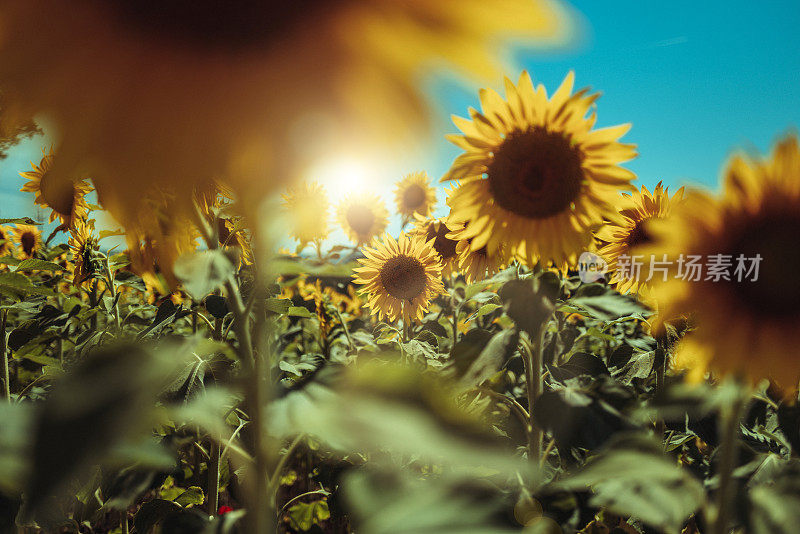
<point x="83" y="244"/>
<point x="218" y="208"/>
<point x="64" y="197"/>
<point x="6" y="242"/>
<point x="744" y="299"/>
<point x="400" y="277"/>
<point x="363" y="217"/>
<point x="306" y="208"/>
<point x="436" y="230"/>
<point x="415" y="196"/>
<point x="29" y="239"/>
<point x="534" y="175"/>
<point x="627" y="235"/>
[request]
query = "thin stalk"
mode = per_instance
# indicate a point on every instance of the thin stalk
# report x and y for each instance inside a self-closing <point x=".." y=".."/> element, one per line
<point x="4" y="351"/>
<point x="123" y="522"/>
<point x="660" y="364"/>
<point x="345" y="329"/>
<point x="729" y="417"/>
<point x="112" y="287"/>
<point x="213" y="477"/>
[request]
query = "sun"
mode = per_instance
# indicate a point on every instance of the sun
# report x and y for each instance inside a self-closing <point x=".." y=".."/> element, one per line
<point x="343" y="174"/>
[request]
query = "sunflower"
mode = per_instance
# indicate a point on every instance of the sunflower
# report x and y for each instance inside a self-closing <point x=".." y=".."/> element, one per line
<point x="478" y="264"/>
<point x="217" y="208"/>
<point x="159" y="237"/>
<point x="415" y="196"/>
<point x="29" y="239"/>
<point x="744" y="301"/>
<point x="175" y="89"/>
<point x="6" y="244"/>
<point x="623" y="237"/>
<point x="65" y="198"/>
<point x="306" y="208"/>
<point x="82" y="243"/>
<point x="534" y="175"/>
<point x="363" y="217"/>
<point x="437" y="230"/>
<point x="400" y="277"/>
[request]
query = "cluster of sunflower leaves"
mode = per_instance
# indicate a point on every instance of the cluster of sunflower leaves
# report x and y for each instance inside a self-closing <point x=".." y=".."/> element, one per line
<point x="390" y="431"/>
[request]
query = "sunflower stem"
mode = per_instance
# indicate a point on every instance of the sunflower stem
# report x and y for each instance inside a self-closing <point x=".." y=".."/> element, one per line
<point x="533" y="377"/>
<point x="729" y="417"/>
<point x="113" y="289"/>
<point x="4" y="351"/>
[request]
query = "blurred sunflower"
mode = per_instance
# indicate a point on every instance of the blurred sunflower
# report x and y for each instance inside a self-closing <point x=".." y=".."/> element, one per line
<point x="158" y="238"/>
<point x="66" y="198"/>
<point x="623" y="237"/>
<point x="29" y="239"/>
<point x="363" y="217"/>
<point x="217" y="208"/>
<point x="400" y="277"/>
<point x="83" y="243"/>
<point x="415" y="196"/>
<point x="306" y="208"/>
<point x="437" y="230"/>
<point x="145" y="90"/>
<point x="746" y="319"/>
<point x="6" y="244"/>
<point x="534" y="175"/>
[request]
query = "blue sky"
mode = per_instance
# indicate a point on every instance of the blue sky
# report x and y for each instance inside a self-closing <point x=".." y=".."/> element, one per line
<point x="697" y="80"/>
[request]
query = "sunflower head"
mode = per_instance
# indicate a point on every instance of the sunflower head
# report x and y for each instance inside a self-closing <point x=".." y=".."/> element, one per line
<point x="400" y="277"/>
<point x="626" y="236"/>
<point x="83" y="244"/>
<point x="363" y="217"/>
<point x="64" y="197"/>
<point x="415" y="196"/>
<point x="436" y="230"/>
<point x="306" y="208"/>
<point x="743" y="299"/>
<point x="534" y="175"/>
<point x="29" y="239"/>
<point x="6" y="242"/>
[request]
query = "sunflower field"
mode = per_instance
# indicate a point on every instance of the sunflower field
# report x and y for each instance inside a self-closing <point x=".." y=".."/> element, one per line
<point x="532" y="343"/>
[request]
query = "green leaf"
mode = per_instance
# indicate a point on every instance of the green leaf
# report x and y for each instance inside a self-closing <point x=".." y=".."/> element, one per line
<point x="492" y="358"/>
<point x="776" y="503"/>
<point x="608" y="304"/>
<point x="526" y="305"/>
<point x="15" y="420"/>
<point x="151" y="513"/>
<point x="203" y="271"/>
<point x="20" y="220"/>
<point x="299" y="311"/>
<point x="32" y="264"/>
<point x="106" y="399"/>
<point x="193" y="496"/>
<point x="303" y="516"/>
<point x="640" y="482"/>
<point x="276" y="305"/>
<point x="17" y="285"/>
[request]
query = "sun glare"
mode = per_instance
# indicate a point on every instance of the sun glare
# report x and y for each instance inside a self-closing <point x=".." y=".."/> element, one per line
<point x="343" y="175"/>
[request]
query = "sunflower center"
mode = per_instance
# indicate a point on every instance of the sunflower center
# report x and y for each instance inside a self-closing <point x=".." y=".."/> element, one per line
<point x="639" y="235"/>
<point x="216" y="25"/>
<point x="403" y="277"/>
<point x="441" y="243"/>
<point x="536" y="174"/>
<point x="28" y="242"/>
<point x="414" y="196"/>
<point x="776" y="291"/>
<point x="59" y="195"/>
<point x="360" y="218"/>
